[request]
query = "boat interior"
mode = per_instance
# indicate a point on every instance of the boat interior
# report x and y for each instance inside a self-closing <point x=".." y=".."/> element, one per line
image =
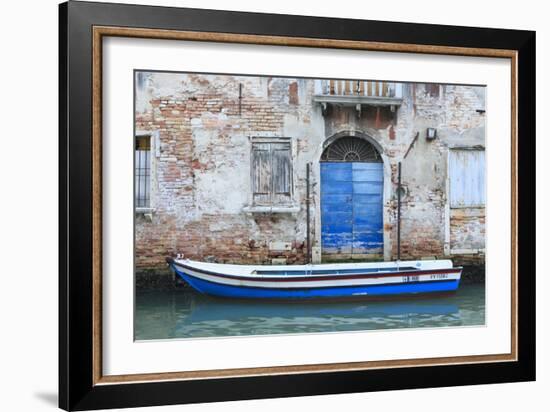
<point x="332" y="271"/>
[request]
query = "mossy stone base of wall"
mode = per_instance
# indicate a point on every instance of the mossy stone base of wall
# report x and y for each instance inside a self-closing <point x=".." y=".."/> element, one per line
<point x="158" y="279"/>
<point x="473" y="274"/>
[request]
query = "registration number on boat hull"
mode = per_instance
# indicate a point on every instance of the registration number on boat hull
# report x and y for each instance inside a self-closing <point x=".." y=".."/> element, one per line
<point x="416" y="278"/>
<point x="439" y="276"/>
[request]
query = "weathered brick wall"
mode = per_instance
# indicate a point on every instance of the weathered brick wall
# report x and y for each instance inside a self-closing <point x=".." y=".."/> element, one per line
<point x="457" y="112"/>
<point x="202" y="165"/>
<point x="422" y="228"/>
<point x="203" y="168"/>
<point x="452" y="111"/>
<point x="468" y="235"/>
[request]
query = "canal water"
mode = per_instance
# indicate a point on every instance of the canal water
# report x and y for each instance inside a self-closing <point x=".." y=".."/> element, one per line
<point x="182" y="313"/>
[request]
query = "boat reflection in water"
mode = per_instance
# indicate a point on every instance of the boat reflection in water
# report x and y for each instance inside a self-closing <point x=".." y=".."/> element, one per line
<point x="186" y="314"/>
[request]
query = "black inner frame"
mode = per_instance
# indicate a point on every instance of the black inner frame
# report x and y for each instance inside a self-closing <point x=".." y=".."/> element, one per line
<point x="76" y="389"/>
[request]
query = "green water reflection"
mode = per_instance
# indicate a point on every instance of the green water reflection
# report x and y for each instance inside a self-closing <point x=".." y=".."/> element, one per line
<point x="186" y="314"/>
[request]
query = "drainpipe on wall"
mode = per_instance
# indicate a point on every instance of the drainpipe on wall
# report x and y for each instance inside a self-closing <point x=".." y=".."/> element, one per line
<point x="308" y="240"/>
<point x="398" y="211"/>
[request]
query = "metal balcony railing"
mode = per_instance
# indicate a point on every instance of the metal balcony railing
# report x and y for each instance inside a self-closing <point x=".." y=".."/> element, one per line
<point x="357" y="93"/>
<point x="362" y="88"/>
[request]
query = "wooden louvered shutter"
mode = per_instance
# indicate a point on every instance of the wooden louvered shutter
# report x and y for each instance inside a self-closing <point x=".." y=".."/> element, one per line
<point x="271" y="173"/>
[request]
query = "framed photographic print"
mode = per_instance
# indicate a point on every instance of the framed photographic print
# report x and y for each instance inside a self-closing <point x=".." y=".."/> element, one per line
<point x="257" y="205"/>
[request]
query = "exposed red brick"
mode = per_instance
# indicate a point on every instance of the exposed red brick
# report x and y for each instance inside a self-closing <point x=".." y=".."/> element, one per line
<point x="293" y="93"/>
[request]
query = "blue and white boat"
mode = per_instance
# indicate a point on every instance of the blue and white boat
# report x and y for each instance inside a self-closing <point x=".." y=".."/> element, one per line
<point x="319" y="281"/>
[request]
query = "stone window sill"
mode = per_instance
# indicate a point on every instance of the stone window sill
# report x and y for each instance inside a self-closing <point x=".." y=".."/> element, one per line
<point x="467" y="251"/>
<point x="468" y="207"/>
<point x="272" y="209"/>
<point x="145" y="210"/>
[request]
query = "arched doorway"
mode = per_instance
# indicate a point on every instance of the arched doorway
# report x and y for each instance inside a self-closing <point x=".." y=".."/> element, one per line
<point x="352" y="184"/>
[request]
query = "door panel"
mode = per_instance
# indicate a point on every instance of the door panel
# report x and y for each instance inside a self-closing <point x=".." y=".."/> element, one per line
<point x="336" y="208"/>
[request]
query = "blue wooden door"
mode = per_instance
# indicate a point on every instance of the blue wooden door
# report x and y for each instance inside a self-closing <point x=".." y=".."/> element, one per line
<point x="351" y="208"/>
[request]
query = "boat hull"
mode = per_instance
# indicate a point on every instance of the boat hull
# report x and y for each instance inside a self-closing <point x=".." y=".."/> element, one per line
<point x="324" y="288"/>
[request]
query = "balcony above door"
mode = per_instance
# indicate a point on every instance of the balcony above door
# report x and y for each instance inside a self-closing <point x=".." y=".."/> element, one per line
<point x="358" y="93"/>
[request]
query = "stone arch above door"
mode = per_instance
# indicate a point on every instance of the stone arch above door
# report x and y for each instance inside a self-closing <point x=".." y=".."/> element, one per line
<point x="351" y="149"/>
<point x="357" y="134"/>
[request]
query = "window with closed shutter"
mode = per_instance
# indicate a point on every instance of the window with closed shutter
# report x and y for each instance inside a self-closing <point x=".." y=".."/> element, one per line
<point x="467" y="178"/>
<point x="272" y="172"/>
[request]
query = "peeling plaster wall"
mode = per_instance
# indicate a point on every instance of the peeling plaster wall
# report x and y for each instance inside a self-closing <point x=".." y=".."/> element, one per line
<point x="201" y="182"/>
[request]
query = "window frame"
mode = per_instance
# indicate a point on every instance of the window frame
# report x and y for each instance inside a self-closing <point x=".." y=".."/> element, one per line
<point x="154" y="153"/>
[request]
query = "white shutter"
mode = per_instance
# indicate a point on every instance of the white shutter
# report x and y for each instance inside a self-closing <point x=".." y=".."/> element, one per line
<point x="467" y="178"/>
